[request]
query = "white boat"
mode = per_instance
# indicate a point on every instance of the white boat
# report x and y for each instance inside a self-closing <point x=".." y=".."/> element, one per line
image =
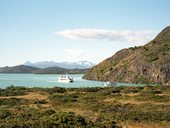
<point x="108" y="83"/>
<point x="65" y="79"/>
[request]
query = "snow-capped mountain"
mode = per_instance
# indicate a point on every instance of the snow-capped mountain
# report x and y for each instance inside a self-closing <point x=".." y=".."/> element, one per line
<point x="67" y="65"/>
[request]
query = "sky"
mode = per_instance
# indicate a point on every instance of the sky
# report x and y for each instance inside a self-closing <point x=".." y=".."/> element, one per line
<point x="76" y="30"/>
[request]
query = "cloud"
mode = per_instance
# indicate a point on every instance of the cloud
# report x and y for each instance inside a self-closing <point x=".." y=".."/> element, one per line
<point x="136" y="37"/>
<point x="74" y="52"/>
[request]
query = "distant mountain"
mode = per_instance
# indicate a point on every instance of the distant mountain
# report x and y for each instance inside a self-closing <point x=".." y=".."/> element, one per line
<point x="57" y="70"/>
<point x="66" y="65"/>
<point x="18" y="69"/>
<point x="145" y="64"/>
<point x="34" y="70"/>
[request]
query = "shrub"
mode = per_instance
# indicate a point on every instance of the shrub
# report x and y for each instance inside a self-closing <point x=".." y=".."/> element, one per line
<point x="4" y="113"/>
<point x="14" y="101"/>
<point x="13" y="91"/>
<point x="63" y="99"/>
<point x="41" y="101"/>
<point x="56" y="90"/>
<point x="12" y="87"/>
<point x="152" y="57"/>
<point x="109" y="91"/>
<point x="93" y="89"/>
<point x="128" y="90"/>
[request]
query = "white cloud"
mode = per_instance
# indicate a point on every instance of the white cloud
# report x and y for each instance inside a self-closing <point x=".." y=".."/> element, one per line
<point x="74" y="52"/>
<point x="136" y="37"/>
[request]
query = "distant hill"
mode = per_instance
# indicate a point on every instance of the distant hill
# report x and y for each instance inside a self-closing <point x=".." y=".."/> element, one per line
<point x="145" y="64"/>
<point x="67" y="65"/>
<point x="18" y="69"/>
<point x="34" y="70"/>
<point x="57" y="70"/>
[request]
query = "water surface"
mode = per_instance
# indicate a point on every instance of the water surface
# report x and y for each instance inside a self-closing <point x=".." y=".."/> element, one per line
<point x="49" y="80"/>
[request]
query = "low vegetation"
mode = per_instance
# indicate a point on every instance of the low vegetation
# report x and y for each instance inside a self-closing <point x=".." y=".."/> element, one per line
<point x="110" y="107"/>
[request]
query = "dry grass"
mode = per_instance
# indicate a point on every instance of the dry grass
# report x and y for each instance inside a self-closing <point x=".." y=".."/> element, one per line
<point x="85" y="113"/>
<point x="144" y="125"/>
<point x="129" y="101"/>
<point x="31" y="95"/>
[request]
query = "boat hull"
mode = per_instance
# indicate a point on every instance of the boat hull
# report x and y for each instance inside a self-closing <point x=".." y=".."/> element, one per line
<point x="65" y="79"/>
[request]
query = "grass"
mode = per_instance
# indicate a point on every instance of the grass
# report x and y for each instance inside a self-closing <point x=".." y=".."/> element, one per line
<point x="132" y="107"/>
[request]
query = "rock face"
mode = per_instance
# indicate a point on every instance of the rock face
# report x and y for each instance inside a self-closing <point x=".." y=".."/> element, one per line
<point x="144" y="64"/>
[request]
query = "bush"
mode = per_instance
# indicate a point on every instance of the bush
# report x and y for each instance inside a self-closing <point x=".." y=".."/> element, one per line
<point x="13" y="91"/>
<point x="152" y="57"/>
<point x="92" y="89"/>
<point x="4" y="113"/>
<point x="41" y="101"/>
<point x="14" y="101"/>
<point x="152" y="97"/>
<point x="56" y="90"/>
<point x="109" y="91"/>
<point x="12" y="87"/>
<point x="63" y="99"/>
<point x="128" y="90"/>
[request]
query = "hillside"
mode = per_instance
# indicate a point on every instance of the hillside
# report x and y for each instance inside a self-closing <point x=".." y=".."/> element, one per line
<point x="34" y="70"/>
<point x="145" y="64"/>
<point x="18" y="69"/>
<point x="57" y="70"/>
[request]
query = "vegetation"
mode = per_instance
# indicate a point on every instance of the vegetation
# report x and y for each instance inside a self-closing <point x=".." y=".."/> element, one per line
<point x="13" y="91"/>
<point x="110" y="107"/>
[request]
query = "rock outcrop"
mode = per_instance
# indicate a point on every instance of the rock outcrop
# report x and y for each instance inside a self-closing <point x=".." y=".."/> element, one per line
<point x="144" y="64"/>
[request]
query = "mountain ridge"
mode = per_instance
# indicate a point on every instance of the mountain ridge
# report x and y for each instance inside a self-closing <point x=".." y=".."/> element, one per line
<point x="66" y="65"/>
<point x="144" y="64"/>
<point x="18" y="69"/>
<point x="34" y="70"/>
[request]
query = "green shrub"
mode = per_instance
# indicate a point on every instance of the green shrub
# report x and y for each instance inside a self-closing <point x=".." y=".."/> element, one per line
<point x="88" y="89"/>
<point x="152" y="97"/>
<point x="4" y="113"/>
<point x="12" y="87"/>
<point x="128" y="90"/>
<point x="41" y="101"/>
<point x="152" y="57"/>
<point x="14" y="101"/>
<point x="13" y="91"/>
<point x="63" y="99"/>
<point x="109" y="91"/>
<point x="56" y="90"/>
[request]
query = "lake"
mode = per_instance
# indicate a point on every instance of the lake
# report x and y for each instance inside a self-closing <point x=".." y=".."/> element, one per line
<point x="49" y="80"/>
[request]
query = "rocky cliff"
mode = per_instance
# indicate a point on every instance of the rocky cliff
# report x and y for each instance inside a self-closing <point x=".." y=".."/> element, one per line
<point x="144" y="64"/>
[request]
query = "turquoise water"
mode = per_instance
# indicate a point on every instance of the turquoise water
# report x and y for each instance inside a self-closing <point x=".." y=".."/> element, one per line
<point x="48" y="80"/>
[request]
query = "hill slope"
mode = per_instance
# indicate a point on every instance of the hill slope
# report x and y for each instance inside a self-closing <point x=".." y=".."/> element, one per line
<point x="145" y="64"/>
<point x="18" y="69"/>
<point x="34" y="70"/>
<point x="58" y="70"/>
